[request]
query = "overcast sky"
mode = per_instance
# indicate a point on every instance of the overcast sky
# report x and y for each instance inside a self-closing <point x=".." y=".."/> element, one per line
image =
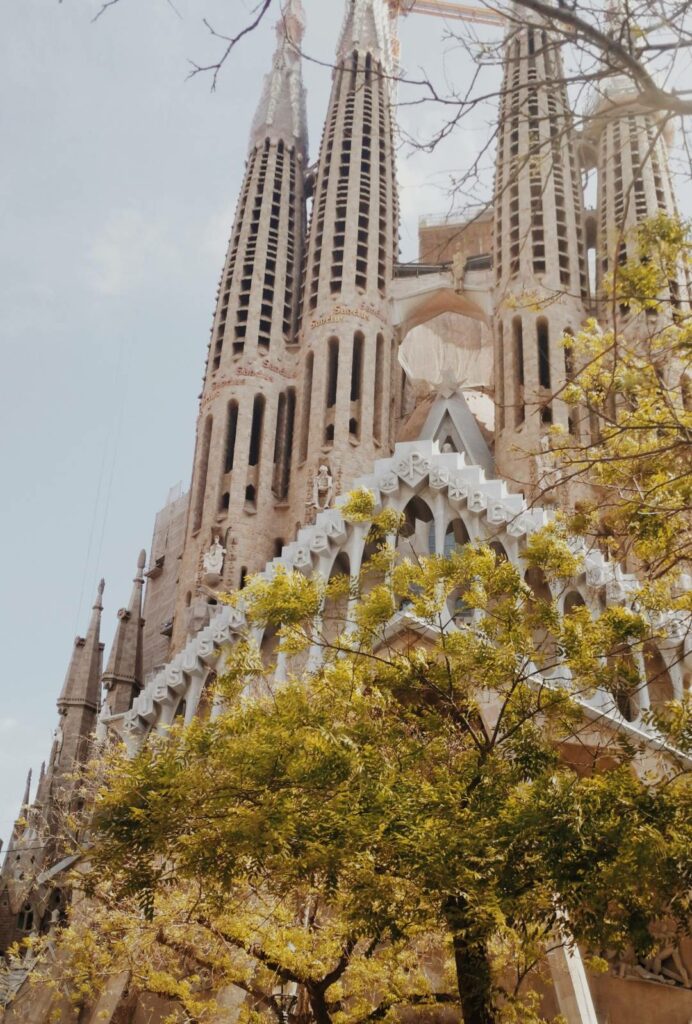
<point x="118" y="182"/>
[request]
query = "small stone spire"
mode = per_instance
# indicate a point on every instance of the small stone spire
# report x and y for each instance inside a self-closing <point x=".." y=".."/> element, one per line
<point x="123" y="676"/>
<point x="367" y="29"/>
<point x="281" y="113"/>
<point x="82" y="685"/>
<point x="27" y="792"/>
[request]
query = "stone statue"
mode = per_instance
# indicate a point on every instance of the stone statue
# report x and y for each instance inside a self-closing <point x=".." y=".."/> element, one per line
<point x="58" y="738"/>
<point x="322" y="489"/>
<point x="213" y="559"/>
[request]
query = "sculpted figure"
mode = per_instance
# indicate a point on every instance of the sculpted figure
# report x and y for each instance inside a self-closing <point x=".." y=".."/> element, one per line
<point x="322" y="488"/>
<point x="213" y="559"/>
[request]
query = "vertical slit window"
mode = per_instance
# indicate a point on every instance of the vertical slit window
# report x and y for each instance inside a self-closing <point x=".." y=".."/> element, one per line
<point x="357" y="368"/>
<point x="500" y="383"/>
<point x="256" y="431"/>
<point x="283" y="444"/>
<point x="518" y="338"/>
<point x="543" y="342"/>
<point x="332" y="371"/>
<point x="379" y="388"/>
<point x="307" y="400"/>
<point x="203" y="469"/>
<point x="231" y="431"/>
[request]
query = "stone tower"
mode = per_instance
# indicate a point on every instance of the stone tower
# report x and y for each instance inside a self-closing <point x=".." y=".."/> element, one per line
<point x="630" y="146"/>
<point x="348" y="351"/>
<point x="26" y="902"/>
<point x="80" y="700"/>
<point x="124" y="676"/>
<point x="541" y="280"/>
<point x="241" y="472"/>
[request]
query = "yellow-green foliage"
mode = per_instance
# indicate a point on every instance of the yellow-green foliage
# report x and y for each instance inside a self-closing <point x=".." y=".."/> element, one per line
<point x="636" y="384"/>
<point x="341" y="830"/>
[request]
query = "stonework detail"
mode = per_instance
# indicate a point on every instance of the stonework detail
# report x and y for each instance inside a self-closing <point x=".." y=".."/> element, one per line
<point x="305" y="397"/>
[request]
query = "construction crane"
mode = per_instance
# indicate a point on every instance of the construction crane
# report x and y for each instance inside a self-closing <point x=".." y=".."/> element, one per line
<point x="446" y="9"/>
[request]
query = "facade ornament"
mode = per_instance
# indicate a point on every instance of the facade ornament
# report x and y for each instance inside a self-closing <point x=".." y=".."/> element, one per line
<point x="322" y="489"/>
<point x="213" y="562"/>
<point x="459" y="268"/>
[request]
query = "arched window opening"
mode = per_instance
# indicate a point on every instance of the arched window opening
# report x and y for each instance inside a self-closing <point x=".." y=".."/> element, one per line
<point x="378" y="430"/>
<point x="278" y="547"/>
<point x="256" y="431"/>
<point x="225" y="502"/>
<point x="250" y="496"/>
<point x="518" y="340"/>
<point x="418" y="527"/>
<point x="188" y="599"/>
<point x="203" y="469"/>
<point x="341" y="566"/>
<point x="243" y="576"/>
<point x="543" y="342"/>
<point x="329" y="433"/>
<point x="573" y="600"/>
<point x="500" y="553"/>
<point x="332" y="371"/>
<point x="307" y="398"/>
<point x="353" y="427"/>
<point x="457" y="537"/>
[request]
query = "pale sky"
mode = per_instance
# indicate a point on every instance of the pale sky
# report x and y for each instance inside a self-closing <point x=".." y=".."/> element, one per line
<point x="118" y="183"/>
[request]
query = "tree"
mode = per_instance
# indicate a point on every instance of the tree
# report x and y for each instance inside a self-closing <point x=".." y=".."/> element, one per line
<point x="418" y="781"/>
<point x="634" y="383"/>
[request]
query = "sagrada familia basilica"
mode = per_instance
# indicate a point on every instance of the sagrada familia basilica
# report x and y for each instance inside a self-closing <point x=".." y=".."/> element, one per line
<point x="331" y="364"/>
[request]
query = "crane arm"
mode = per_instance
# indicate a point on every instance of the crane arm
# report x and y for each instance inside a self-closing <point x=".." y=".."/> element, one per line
<point x="448" y="9"/>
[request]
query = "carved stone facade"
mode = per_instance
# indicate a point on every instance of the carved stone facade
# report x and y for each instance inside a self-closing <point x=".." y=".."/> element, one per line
<point x="305" y="397"/>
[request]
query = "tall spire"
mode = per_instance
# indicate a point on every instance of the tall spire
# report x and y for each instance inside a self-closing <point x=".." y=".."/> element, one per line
<point x="241" y="472"/>
<point x="123" y="676"/>
<point x="83" y="680"/>
<point x="634" y="182"/>
<point x="348" y="345"/>
<point x="539" y="249"/>
<point x="367" y="29"/>
<point x="281" y="113"/>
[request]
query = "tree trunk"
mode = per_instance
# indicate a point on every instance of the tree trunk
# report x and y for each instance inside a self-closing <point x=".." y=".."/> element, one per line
<point x="318" y="1005"/>
<point x="472" y="963"/>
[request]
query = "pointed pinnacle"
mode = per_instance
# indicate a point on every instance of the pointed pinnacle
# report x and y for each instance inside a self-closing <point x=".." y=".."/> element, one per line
<point x="27" y="790"/>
